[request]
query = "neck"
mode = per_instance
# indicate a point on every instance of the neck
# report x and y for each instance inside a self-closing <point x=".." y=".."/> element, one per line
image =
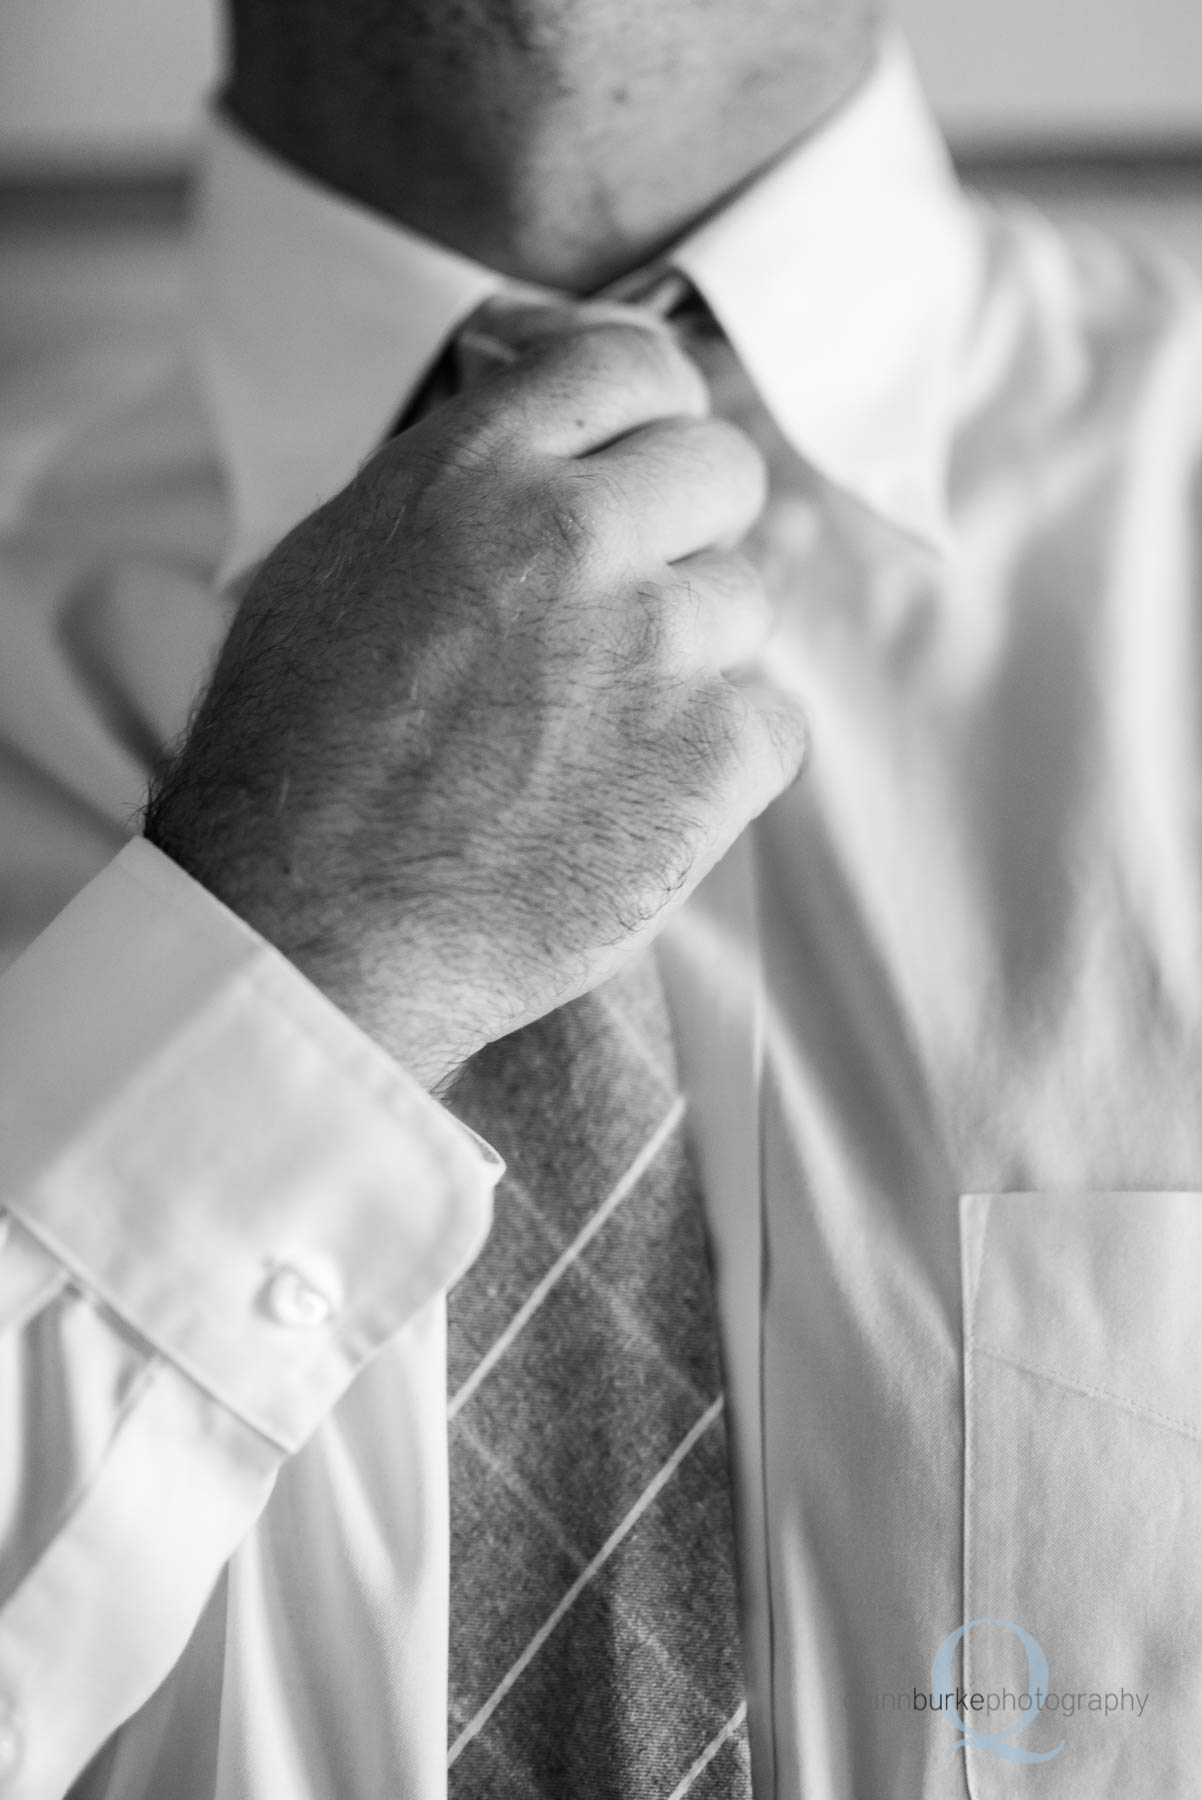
<point x="565" y="149"/>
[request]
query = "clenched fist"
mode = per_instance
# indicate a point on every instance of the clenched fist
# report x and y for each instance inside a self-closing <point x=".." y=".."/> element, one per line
<point x="472" y="732"/>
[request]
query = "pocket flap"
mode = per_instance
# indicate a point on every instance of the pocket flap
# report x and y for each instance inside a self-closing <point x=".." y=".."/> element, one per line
<point x="1100" y="1290"/>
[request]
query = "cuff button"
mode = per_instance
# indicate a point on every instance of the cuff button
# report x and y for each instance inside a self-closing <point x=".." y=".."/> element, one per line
<point x="293" y="1300"/>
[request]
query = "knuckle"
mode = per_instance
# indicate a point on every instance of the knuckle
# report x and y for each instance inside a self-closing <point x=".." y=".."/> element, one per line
<point x="570" y="531"/>
<point x="647" y="635"/>
<point x="566" y="531"/>
<point x="726" y="720"/>
<point x="711" y="735"/>
<point x="599" y="492"/>
<point x="749" y="742"/>
<point x="778" y="741"/>
<point x="789" y="736"/>
<point x="664" y="843"/>
<point x="630" y="652"/>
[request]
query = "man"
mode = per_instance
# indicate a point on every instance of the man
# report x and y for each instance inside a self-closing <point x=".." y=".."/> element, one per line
<point x="488" y="715"/>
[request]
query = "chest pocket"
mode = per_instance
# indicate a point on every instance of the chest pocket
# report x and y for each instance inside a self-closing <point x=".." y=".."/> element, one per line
<point x="1083" y="1488"/>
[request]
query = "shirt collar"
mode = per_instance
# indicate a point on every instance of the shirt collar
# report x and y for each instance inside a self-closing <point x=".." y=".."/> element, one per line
<point x="842" y="277"/>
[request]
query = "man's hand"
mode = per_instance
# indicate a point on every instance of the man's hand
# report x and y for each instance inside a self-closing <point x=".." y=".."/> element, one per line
<point x="471" y="735"/>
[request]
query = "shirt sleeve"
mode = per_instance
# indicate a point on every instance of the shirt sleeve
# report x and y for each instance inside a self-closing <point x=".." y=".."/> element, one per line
<point x="220" y="1198"/>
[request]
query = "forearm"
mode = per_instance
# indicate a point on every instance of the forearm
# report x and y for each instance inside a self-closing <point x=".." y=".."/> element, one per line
<point x="222" y="1201"/>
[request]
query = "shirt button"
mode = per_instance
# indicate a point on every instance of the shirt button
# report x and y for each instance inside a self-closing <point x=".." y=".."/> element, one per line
<point x="293" y="1300"/>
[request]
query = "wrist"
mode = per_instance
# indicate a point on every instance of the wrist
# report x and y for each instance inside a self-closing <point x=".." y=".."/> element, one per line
<point x="390" y="984"/>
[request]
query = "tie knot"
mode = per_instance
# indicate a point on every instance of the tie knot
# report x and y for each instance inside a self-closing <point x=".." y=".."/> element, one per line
<point x="508" y="323"/>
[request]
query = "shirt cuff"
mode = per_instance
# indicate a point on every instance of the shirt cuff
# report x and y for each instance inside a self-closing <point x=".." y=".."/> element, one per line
<point x="218" y="1153"/>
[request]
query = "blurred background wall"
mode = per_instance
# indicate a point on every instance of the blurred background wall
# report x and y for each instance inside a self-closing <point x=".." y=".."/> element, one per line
<point x="115" y="83"/>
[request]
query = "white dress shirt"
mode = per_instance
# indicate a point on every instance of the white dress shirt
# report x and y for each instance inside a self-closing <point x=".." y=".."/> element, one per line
<point x="939" y="1017"/>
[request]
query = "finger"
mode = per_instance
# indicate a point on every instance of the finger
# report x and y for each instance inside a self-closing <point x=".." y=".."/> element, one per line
<point x="750" y="743"/>
<point x="716" y="614"/>
<point x="575" y="391"/>
<point x="774" y="741"/>
<point x="683" y="484"/>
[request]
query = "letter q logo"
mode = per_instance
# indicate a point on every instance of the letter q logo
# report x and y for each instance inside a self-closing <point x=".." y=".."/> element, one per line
<point x="995" y="1742"/>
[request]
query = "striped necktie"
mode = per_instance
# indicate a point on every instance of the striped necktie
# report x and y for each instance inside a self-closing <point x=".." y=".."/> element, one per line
<point x="594" y="1634"/>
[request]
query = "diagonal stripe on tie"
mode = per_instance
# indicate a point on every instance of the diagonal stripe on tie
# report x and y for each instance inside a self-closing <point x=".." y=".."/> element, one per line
<point x="593" y="1618"/>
